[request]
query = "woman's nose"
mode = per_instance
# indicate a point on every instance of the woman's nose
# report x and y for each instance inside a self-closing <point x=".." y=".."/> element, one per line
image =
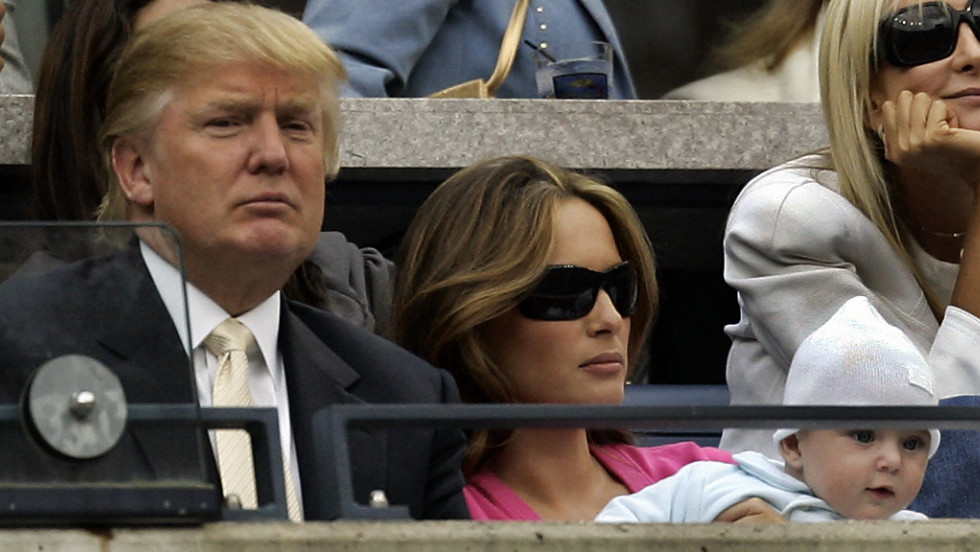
<point x="966" y="57"/>
<point x="604" y="315"/>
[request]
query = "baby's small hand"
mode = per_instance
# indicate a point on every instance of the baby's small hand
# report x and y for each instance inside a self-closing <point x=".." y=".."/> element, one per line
<point x="752" y="510"/>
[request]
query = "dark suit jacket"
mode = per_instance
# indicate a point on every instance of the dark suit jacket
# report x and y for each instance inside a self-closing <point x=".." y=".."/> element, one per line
<point x="110" y="310"/>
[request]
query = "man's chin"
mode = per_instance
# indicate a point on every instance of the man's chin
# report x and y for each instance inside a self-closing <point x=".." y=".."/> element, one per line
<point x="288" y="248"/>
<point x="276" y="238"/>
<point x="272" y="250"/>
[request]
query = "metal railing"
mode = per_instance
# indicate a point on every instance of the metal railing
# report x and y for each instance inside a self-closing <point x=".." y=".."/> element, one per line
<point x="337" y="420"/>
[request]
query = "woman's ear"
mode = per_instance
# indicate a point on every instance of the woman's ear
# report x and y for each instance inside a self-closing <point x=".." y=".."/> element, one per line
<point x="132" y="172"/>
<point x="877" y="98"/>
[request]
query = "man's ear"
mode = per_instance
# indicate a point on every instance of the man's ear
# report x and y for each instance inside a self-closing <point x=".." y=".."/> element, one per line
<point x="132" y="172"/>
<point x="790" y="449"/>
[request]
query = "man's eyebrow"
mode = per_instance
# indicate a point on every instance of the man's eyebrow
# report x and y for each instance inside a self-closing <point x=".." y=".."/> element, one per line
<point x="231" y="104"/>
<point x="292" y="107"/>
<point x="298" y="106"/>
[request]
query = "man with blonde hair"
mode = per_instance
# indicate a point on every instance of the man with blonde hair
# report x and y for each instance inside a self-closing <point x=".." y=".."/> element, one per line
<point x="222" y="122"/>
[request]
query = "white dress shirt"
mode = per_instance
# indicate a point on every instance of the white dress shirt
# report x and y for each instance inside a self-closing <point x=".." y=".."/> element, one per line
<point x="266" y="374"/>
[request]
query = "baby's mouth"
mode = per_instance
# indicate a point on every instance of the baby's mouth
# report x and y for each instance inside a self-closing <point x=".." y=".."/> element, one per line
<point x="881" y="493"/>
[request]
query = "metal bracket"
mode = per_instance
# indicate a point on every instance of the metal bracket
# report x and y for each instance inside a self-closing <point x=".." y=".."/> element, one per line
<point x="151" y="502"/>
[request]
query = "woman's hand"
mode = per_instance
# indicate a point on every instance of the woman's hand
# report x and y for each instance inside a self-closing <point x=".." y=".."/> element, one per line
<point x="753" y="510"/>
<point x="922" y="133"/>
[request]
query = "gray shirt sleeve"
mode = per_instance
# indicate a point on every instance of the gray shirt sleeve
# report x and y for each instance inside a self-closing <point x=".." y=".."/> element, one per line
<point x="15" y="78"/>
<point x="359" y="281"/>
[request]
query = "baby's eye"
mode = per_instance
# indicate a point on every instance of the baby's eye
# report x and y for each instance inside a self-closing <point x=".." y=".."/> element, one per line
<point x="912" y="443"/>
<point x="863" y="435"/>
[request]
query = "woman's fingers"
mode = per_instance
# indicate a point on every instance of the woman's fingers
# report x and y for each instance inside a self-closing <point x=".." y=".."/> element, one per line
<point x="920" y="133"/>
<point x="939" y="116"/>
<point x="903" y="120"/>
<point x="889" y="128"/>
<point x="916" y="124"/>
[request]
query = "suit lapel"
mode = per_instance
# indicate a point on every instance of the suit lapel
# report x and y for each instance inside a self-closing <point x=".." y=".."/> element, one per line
<point x="318" y="378"/>
<point x="153" y="365"/>
<point x="601" y="17"/>
<point x="140" y="331"/>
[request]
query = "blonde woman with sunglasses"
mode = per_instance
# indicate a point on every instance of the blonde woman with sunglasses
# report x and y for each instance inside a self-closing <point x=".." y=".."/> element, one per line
<point x="533" y="284"/>
<point x="889" y="211"/>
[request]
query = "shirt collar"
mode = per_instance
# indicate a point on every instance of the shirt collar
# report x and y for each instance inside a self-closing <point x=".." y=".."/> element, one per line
<point x="205" y="314"/>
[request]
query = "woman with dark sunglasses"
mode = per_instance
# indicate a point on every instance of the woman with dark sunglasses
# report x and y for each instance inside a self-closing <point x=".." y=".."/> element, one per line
<point x="533" y="284"/>
<point x="889" y="211"/>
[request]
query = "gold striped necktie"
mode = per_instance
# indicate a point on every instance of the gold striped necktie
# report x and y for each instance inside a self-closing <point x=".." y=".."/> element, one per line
<point x="231" y="342"/>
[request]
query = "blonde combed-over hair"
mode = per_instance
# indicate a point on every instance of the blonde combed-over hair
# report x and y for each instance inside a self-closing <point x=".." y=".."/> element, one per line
<point x="476" y="246"/>
<point x="188" y="45"/>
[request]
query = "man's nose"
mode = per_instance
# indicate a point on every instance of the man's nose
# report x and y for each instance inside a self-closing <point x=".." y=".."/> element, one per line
<point x="268" y="153"/>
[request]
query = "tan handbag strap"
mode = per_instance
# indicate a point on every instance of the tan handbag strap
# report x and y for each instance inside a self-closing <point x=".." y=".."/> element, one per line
<point x="509" y="45"/>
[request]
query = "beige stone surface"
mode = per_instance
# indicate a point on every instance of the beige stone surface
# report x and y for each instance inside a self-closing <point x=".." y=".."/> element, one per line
<point x="942" y="535"/>
<point x="392" y="134"/>
<point x="16" y="119"/>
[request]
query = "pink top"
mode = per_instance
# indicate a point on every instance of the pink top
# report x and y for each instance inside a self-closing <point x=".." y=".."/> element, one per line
<point x="489" y="498"/>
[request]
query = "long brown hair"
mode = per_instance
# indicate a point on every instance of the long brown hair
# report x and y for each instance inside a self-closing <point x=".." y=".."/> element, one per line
<point x="68" y="175"/>
<point x="477" y="244"/>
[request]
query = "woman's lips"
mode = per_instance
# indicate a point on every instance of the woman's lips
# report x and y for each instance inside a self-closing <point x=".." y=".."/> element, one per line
<point x="965" y="93"/>
<point x="969" y="98"/>
<point x="606" y="363"/>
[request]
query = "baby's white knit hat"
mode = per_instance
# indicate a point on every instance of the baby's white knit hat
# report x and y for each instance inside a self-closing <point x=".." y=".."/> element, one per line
<point x="858" y="359"/>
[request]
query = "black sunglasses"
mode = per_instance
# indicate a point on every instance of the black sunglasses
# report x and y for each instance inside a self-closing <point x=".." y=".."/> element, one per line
<point x="923" y="33"/>
<point x="567" y="292"/>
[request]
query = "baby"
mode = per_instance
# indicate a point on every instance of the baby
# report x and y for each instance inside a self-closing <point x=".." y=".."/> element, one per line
<point x="854" y="359"/>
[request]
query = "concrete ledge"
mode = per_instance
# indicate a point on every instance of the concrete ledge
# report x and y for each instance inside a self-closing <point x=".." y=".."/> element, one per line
<point x="606" y="135"/>
<point x="16" y="121"/>
<point x="497" y="537"/>
<point x="395" y="134"/>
